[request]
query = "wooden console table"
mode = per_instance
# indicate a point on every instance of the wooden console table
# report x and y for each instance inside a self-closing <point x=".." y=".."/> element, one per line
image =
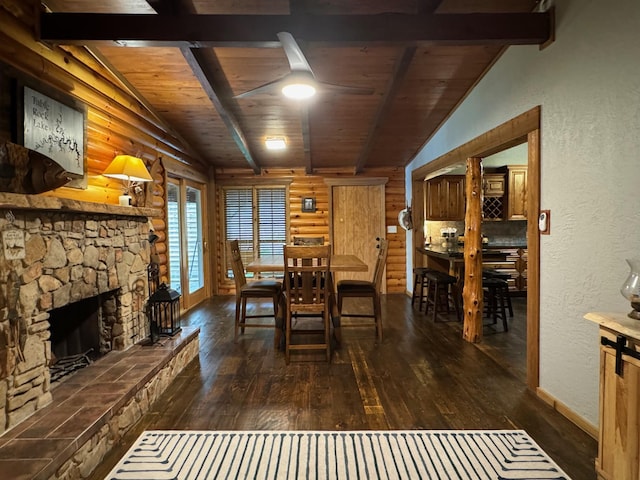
<point x="619" y="437"/>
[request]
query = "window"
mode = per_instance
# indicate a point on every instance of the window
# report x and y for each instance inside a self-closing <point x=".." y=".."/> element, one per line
<point x="257" y="218"/>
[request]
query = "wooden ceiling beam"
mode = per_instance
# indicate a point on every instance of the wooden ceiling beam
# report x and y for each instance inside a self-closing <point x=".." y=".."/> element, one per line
<point x="306" y="138"/>
<point x="261" y="30"/>
<point x="397" y="77"/>
<point x="199" y="65"/>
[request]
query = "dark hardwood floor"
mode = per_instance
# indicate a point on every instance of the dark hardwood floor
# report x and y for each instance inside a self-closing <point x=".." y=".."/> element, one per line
<point x="423" y="376"/>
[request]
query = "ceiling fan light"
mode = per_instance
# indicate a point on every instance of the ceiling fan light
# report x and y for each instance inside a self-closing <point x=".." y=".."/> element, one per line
<point x="275" y="143"/>
<point x="299" y="91"/>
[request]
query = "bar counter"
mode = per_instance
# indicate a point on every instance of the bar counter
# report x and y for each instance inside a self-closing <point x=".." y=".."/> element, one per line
<point x="451" y="259"/>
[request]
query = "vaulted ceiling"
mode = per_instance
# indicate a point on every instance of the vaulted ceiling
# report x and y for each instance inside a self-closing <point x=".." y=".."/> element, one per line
<point x="187" y="60"/>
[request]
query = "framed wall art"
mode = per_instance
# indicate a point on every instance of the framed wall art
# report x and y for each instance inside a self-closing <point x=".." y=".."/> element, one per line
<point x="309" y="204"/>
<point x="56" y="130"/>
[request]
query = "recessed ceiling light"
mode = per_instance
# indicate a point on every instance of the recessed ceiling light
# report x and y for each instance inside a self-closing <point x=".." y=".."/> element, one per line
<point x="275" y="143"/>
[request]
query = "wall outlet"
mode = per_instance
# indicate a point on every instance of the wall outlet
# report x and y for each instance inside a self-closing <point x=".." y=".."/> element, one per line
<point x="392" y="229"/>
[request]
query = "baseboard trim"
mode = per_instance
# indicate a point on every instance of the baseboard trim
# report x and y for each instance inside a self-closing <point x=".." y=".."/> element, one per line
<point x="564" y="410"/>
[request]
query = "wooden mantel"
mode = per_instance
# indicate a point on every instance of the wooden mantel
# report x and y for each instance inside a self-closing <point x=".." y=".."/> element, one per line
<point x="14" y="201"/>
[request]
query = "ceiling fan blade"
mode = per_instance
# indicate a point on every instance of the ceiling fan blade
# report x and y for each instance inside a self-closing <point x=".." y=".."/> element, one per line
<point x="271" y="87"/>
<point x="297" y="60"/>
<point x="332" y="87"/>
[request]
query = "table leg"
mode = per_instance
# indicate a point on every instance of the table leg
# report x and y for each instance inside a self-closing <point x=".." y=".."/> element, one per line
<point x="335" y="314"/>
<point x="281" y="318"/>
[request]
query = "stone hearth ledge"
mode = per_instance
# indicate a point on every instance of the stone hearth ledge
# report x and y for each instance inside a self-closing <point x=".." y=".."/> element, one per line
<point x="15" y="201"/>
<point x="93" y="409"/>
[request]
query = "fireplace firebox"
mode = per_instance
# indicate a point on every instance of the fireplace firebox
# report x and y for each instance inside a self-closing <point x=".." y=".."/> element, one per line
<point x="80" y="333"/>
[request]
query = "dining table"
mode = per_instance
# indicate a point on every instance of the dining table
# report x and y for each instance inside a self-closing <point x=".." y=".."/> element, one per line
<point x="338" y="263"/>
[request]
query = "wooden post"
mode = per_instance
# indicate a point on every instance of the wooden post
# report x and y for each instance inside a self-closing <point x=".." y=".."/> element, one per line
<point x="472" y="292"/>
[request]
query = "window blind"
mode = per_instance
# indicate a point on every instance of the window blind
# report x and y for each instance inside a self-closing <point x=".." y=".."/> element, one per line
<point x="256" y="217"/>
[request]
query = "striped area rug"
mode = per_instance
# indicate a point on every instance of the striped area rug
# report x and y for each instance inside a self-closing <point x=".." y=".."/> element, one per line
<point x="413" y="454"/>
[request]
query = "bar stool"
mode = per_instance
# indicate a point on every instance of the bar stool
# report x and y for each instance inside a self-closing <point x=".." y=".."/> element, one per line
<point x="496" y="291"/>
<point x="441" y="287"/>
<point x="489" y="273"/>
<point x="420" y="281"/>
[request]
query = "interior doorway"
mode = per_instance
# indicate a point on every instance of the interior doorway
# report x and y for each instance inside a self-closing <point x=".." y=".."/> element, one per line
<point x="521" y="129"/>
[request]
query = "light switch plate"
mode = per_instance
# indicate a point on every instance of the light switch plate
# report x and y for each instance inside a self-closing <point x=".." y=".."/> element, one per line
<point x="392" y="229"/>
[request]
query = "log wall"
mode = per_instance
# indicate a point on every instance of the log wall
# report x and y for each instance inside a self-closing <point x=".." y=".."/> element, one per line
<point x="116" y="122"/>
<point x="317" y="224"/>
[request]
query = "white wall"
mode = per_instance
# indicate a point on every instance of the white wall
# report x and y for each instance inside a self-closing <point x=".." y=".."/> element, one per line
<point x="588" y="84"/>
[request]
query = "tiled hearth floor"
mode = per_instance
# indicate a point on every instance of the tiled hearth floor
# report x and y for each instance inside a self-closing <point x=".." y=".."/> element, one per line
<point x="82" y="403"/>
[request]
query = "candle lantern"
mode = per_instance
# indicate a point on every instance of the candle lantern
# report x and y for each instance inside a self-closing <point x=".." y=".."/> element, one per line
<point x="164" y="311"/>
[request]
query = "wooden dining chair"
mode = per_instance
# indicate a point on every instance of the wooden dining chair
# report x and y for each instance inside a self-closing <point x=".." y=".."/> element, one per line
<point x="307" y="296"/>
<point x="308" y="240"/>
<point x="254" y="290"/>
<point x="366" y="289"/>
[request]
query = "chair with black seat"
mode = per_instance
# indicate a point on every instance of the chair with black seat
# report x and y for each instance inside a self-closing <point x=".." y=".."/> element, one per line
<point x="366" y="289"/>
<point x="491" y="273"/>
<point x="307" y="295"/>
<point x="254" y="290"/>
<point x="420" y="285"/>
<point x="495" y="295"/>
<point x="442" y="287"/>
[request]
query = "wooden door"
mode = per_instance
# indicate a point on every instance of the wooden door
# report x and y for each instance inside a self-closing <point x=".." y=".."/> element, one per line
<point x="357" y="218"/>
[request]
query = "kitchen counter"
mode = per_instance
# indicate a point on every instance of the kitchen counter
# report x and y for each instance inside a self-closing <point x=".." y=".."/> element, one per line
<point x="505" y="245"/>
<point x="458" y="252"/>
<point x="509" y="260"/>
<point x="451" y="260"/>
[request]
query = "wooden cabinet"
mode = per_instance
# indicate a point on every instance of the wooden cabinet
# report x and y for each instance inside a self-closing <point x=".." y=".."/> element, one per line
<point x="493" y="184"/>
<point x="444" y="198"/>
<point x="619" y="433"/>
<point x="493" y="193"/>
<point x="516" y="192"/>
<point x="515" y="265"/>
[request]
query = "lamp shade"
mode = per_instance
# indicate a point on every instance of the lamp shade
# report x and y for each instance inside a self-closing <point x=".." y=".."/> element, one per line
<point x="128" y="168"/>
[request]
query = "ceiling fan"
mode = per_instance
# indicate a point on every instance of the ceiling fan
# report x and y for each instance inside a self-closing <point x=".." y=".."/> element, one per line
<point x="301" y="83"/>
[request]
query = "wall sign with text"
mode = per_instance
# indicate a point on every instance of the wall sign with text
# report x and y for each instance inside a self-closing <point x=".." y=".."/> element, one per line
<point x="55" y="130"/>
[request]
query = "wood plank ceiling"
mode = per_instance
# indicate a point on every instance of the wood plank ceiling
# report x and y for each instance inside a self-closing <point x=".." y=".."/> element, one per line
<point x="187" y="59"/>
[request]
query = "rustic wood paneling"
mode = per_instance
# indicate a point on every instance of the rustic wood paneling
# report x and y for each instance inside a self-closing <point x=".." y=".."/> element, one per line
<point x="317" y="224"/>
<point x="115" y="121"/>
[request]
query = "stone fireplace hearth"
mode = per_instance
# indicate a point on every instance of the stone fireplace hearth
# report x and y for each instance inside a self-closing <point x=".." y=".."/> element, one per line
<point x="62" y="257"/>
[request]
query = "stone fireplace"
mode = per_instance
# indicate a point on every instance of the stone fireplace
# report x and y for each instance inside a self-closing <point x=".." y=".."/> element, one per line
<point x="51" y="259"/>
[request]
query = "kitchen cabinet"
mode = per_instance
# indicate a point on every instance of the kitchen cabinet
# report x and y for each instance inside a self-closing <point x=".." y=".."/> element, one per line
<point x="493" y="187"/>
<point x="619" y="433"/>
<point x="493" y="184"/>
<point x="515" y="265"/>
<point x="516" y="192"/>
<point x="444" y="198"/>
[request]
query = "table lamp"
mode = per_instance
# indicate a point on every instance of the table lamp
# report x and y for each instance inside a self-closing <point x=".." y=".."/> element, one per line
<point x="130" y="170"/>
